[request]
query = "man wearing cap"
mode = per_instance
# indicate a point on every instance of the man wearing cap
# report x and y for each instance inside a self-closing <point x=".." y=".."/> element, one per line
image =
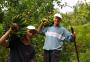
<point x="20" y="48"/>
<point x="54" y="37"/>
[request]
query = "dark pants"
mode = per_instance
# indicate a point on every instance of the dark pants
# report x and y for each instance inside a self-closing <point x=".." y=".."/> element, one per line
<point x="52" y="55"/>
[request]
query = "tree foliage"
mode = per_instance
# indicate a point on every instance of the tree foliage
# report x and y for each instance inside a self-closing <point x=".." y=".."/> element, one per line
<point x="31" y="12"/>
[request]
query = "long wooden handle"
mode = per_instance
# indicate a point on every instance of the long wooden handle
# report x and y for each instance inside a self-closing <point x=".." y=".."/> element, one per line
<point x="72" y="30"/>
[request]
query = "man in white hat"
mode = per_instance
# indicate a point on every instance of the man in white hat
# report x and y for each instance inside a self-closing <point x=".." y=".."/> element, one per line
<point x="54" y="37"/>
<point x="20" y="48"/>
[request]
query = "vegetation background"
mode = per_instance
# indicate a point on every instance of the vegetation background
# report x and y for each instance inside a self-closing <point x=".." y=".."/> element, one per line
<point x="26" y="12"/>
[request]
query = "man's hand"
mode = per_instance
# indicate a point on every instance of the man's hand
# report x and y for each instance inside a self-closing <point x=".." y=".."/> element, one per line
<point x="73" y="36"/>
<point x="14" y="27"/>
<point x="44" y="22"/>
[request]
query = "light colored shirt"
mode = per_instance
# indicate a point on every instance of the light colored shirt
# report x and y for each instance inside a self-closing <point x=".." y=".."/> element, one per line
<point x="54" y="37"/>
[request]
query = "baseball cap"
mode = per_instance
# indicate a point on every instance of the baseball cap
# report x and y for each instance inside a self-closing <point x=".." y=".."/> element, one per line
<point x="31" y="27"/>
<point x="58" y="15"/>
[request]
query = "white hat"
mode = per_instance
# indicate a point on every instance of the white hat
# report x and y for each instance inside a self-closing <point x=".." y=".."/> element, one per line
<point x="31" y="27"/>
<point x="58" y="15"/>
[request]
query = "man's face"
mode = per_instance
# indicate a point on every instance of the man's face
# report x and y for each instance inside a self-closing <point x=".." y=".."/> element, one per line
<point x="56" y="20"/>
<point x="30" y="33"/>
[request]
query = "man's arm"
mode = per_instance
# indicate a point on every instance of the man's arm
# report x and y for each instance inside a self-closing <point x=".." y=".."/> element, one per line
<point x="68" y="35"/>
<point x="43" y="24"/>
<point x="40" y="27"/>
<point x="3" y="41"/>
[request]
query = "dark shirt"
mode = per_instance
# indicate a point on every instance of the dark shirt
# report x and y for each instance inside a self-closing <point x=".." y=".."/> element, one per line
<point x="18" y="51"/>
